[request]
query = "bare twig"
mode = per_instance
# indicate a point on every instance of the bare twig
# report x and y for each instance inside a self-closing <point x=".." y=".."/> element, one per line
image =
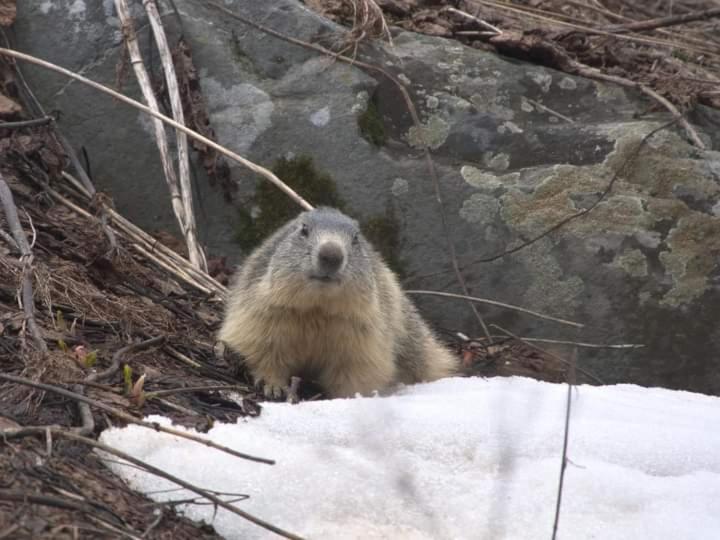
<point x="9" y="239"/>
<point x="549" y="110"/>
<point x="292" y="393"/>
<point x="11" y="216"/>
<point x="27" y="123"/>
<point x="122" y="353"/>
<point x="184" y="389"/>
<point x="26" y="258"/>
<point x="85" y="506"/>
<point x="148" y="246"/>
<point x="88" y="422"/>
<point x="262" y="171"/>
<point x="498" y="304"/>
<point x="524" y="12"/>
<point x="594" y="73"/>
<point x="631" y="156"/>
<point x="566" y="436"/>
<point x="69" y="150"/>
<point x="177" y="110"/>
<point x="576" y="343"/>
<point x="180" y="195"/>
<point x="548" y="353"/>
<point x="495" y="30"/>
<point x="561" y="59"/>
<point x="663" y="22"/>
<point x="59" y="432"/>
<point x="131" y="419"/>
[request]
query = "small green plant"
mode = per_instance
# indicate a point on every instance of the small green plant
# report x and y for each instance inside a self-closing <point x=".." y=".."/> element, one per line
<point x="276" y="208"/>
<point x="90" y="359"/>
<point x="60" y="323"/>
<point x="127" y="378"/>
<point x="371" y="124"/>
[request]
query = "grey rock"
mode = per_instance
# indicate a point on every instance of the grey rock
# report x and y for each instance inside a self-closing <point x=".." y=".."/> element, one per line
<point x="517" y="147"/>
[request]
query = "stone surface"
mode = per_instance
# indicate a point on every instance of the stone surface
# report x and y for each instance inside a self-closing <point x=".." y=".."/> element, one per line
<point x="518" y="147"/>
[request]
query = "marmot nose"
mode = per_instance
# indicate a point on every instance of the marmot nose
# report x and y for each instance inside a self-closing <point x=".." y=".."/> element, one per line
<point x="330" y="258"/>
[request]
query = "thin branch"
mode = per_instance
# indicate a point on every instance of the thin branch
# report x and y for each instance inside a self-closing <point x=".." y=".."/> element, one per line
<point x="82" y="175"/>
<point x="594" y="73"/>
<point x="184" y="389"/>
<point x="84" y="506"/>
<point x="574" y="343"/>
<point x="182" y="143"/>
<point x="262" y="171"/>
<point x="28" y="123"/>
<point x="523" y="12"/>
<point x="549" y="110"/>
<point x="88" y="422"/>
<point x="59" y="432"/>
<point x="495" y="30"/>
<point x="11" y="216"/>
<point x="559" y="58"/>
<point x="181" y="198"/>
<point x="9" y="240"/>
<point x="550" y="354"/>
<point x="131" y="419"/>
<point x="26" y="258"/>
<point x="122" y="353"/>
<point x="498" y="304"/>
<point x="608" y="188"/>
<point x="566" y="436"/>
<point x="145" y="244"/>
<point x="663" y="22"/>
<point x="69" y="150"/>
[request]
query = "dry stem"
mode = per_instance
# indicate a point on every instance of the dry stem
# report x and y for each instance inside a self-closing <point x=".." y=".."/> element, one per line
<point x="131" y="419"/>
<point x="180" y="194"/>
<point x="59" y="432"/>
<point x="498" y="304"/>
<point x="177" y="110"/>
<point x="262" y="171"/>
<point x="26" y="258"/>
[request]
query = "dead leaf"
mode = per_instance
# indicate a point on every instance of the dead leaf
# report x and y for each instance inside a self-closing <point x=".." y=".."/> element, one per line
<point x="8" y="107"/>
<point x="137" y="396"/>
<point x="7" y="423"/>
<point x="8" y="11"/>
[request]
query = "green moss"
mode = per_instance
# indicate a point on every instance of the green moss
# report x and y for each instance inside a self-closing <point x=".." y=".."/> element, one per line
<point x="276" y="208"/>
<point x="383" y="232"/>
<point x="681" y="55"/>
<point x="371" y="125"/>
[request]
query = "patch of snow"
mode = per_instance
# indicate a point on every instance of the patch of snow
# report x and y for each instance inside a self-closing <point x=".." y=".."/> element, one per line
<point x="458" y="459"/>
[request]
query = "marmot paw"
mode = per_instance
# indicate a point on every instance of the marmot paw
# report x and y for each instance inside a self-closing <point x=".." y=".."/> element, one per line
<point x="273" y="392"/>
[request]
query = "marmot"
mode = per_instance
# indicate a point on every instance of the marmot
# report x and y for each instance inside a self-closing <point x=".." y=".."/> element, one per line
<point x="315" y="300"/>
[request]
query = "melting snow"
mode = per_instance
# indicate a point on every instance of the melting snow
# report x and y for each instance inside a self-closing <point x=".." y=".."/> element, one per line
<point x="458" y="459"/>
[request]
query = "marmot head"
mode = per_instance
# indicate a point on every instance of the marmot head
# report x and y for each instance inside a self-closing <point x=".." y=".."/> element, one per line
<point x="322" y="255"/>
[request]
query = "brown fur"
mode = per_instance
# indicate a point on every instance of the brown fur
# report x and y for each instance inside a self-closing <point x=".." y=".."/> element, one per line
<point x="357" y="336"/>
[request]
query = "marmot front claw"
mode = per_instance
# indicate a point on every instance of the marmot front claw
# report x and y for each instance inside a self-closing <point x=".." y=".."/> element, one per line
<point x="272" y="391"/>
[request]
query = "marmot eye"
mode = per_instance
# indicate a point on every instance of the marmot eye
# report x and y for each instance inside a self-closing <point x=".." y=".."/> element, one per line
<point x="304" y="231"/>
